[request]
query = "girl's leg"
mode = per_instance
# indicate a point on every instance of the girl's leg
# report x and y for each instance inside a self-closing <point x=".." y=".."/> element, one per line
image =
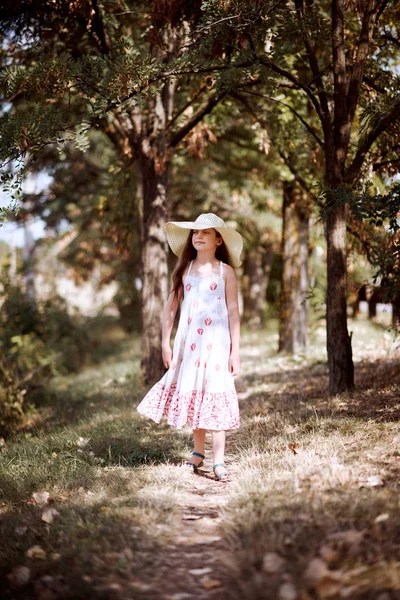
<point x="199" y="436"/>
<point x="218" y="443"/>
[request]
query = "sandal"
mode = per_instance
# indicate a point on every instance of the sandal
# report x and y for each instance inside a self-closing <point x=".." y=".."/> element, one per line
<point x="194" y="467"/>
<point x="224" y="477"/>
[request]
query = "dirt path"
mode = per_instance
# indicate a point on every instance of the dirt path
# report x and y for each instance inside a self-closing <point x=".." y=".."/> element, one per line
<point x="192" y="565"/>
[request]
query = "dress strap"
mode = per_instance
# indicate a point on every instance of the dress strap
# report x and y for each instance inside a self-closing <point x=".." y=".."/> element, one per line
<point x="220" y="268"/>
<point x="190" y="266"/>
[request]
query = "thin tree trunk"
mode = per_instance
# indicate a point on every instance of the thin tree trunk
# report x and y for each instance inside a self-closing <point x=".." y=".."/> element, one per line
<point x="293" y="317"/>
<point x="257" y="266"/>
<point x="396" y="312"/>
<point x="154" y="264"/>
<point x="340" y="360"/>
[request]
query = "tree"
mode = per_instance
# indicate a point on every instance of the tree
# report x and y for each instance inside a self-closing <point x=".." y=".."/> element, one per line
<point x="340" y="56"/>
<point x="84" y="67"/>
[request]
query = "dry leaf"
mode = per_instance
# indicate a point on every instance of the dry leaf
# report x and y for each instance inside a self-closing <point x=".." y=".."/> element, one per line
<point x="199" y="572"/>
<point x="36" y="553"/>
<point x="374" y="481"/>
<point x="287" y="591"/>
<point x="19" y="576"/>
<point x="319" y="577"/>
<point x="49" y="514"/>
<point x="211" y="584"/>
<point x="273" y="563"/>
<point x="381" y="518"/>
<point x="328" y="553"/>
<point x="294" y="447"/>
<point x="21" y="530"/>
<point x="82" y="442"/>
<point x="191" y="517"/>
<point x="41" y="497"/>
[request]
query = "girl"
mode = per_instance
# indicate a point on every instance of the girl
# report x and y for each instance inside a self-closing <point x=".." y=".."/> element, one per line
<point x="198" y="387"/>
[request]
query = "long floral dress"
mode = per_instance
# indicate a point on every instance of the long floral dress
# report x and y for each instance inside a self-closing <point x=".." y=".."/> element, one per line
<point x="198" y="389"/>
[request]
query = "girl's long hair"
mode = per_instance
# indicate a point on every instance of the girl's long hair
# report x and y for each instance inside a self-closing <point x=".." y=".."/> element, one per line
<point x="189" y="253"/>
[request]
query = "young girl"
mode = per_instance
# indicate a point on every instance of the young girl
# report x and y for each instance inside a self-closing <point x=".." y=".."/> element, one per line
<point x="198" y="387"/>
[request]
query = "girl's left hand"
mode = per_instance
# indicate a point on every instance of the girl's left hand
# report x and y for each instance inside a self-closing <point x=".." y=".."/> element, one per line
<point x="234" y="365"/>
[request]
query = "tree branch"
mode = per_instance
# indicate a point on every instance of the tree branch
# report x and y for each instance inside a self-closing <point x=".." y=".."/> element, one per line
<point x="298" y="84"/>
<point x="312" y="59"/>
<point x="363" y="45"/>
<point x="178" y="135"/>
<point x="354" y="168"/>
<point x="98" y="28"/>
<point x="186" y="106"/>
<point x="310" y="129"/>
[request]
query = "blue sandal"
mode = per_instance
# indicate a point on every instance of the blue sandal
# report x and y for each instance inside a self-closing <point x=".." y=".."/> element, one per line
<point x="222" y="476"/>
<point x="194" y="467"/>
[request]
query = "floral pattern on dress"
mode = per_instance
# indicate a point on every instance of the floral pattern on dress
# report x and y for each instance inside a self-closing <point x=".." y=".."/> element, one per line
<point x="198" y="389"/>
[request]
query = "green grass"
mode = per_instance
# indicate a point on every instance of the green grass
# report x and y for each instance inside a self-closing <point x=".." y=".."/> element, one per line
<point x="300" y="463"/>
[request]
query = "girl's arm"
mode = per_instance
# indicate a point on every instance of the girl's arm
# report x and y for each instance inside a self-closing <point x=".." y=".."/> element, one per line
<point x="231" y="293"/>
<point x="168" y="322"/>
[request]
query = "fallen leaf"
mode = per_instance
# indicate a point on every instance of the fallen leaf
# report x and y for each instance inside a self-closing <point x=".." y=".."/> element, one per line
<point x="36" y="553"/>
<point x="273" y="563"/>
<point x="211" y="584"/>
<point x="49" y="514"/>
<point x="374" y="481"/>
<point x="41" y="497"/>
<point x="19" y="576"/>
<point x="199" y="572"/>
<point x="21" y="530"/>
<point x="191" y="517"/>
<point x="381" y="518"/>
<point x="82" y="442"/>
<point x="294" y="447"/>
<point x="328" y="553"/>
<point x="287" y="591"/>
<point x="325" y="581"/>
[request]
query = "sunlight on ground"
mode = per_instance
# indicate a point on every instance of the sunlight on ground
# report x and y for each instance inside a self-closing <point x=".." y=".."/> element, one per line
<point x="312" y="509"/>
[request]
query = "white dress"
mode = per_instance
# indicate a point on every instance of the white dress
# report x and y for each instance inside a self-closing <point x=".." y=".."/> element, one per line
<point x="198" y="389"/>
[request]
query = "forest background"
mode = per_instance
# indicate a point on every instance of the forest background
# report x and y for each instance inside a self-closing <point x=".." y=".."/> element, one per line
<point x="283" y="117"/>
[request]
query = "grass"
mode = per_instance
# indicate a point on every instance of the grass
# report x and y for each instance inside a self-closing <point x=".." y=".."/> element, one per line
<point x="304" y="465"/>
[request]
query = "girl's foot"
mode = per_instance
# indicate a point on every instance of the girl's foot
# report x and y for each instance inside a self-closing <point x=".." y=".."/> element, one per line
<point x="220" y="472"/>
<point x="196" y="461"/>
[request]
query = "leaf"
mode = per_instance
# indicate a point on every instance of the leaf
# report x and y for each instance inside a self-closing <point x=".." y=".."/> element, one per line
<point x="373" y="481"/>
<point x="199" y="572"/>
<point x="211" y="584"/>
<point x="19" y="576"/>
<point x="36" y="553"/>
<point x="49" y="514"/>
<point x="82" y="442"/>
<point x="294" y="447"/>
<point x="325" y="581"/>
<point x="287" y="591"/>
<point x="41" y="497"/>
<point x="273" y="563"/>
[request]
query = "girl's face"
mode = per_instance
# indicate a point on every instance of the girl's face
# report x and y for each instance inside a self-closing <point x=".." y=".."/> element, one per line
<point x="206" y="239"/>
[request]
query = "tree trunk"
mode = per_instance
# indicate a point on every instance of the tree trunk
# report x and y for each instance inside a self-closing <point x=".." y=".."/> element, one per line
<point x="293" y="317"/>
<point x="340" y="360"/>
<point x="396" y="312"/>
<point x="154" y="264"/>
<point x="256" y="267"/>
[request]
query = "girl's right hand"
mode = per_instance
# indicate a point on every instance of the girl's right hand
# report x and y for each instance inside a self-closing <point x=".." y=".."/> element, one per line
<point x="167" y="356"/>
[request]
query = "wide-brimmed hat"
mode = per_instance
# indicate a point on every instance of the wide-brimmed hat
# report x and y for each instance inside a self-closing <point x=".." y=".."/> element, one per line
<point x="177" y="235"/>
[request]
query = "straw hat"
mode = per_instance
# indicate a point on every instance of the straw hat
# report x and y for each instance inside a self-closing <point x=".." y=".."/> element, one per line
<point x="177" y="234"/>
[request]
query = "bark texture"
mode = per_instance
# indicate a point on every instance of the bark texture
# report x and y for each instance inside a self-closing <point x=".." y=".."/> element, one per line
<point x="293" y="315"/>
<point x="340" y="361"/>
<point x="154" y="266"/>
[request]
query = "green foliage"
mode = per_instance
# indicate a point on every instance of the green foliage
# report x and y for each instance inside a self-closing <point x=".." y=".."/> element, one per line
<point x="38" y="340"/>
